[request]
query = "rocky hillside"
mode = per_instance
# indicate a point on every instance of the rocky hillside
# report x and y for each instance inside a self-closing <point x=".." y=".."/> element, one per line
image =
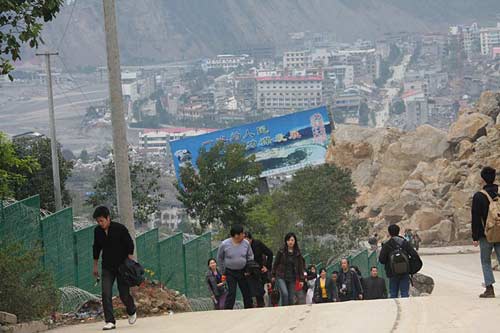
<point x="158" y="30"/>
<point x="425" y="179"/>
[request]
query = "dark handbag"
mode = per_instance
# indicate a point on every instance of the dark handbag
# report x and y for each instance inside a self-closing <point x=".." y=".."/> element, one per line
<point x="132" y="272"/>
<point x="252" y="267"/>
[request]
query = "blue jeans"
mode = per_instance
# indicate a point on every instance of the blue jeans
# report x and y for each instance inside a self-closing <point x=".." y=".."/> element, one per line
<point x="287" y="292"/>
<point x="486" y="248"/>
<point x="399" y="284"/>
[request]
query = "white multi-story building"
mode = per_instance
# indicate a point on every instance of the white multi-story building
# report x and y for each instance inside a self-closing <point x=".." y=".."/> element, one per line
<point x="490" y="38"/>
<point x="227" y="62"/>
<point x="156" y="140"/>
<point x="283" y="94"/>
<point x="296" y="59"/>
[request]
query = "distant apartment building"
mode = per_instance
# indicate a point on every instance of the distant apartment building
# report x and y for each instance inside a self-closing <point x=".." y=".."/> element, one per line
<point x="490" y="38"/>
<point x="365" y="62"/>
<point x="281" y="93"/>
<point x="417" y="110"/>
<point x="156" y="140"/>
<point x="296" y="59"/>
<point x="466" y="38"/>
<point x="227" y="62"/>
<point x="346" y="106"/>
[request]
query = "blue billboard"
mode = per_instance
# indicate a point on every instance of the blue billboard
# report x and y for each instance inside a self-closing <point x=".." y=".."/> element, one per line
<point x="280" y="144"/>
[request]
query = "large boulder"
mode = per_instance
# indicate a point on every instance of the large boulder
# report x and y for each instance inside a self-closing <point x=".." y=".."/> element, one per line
<point x="445" y="230"/>
<point x="426" y="218"/>
<point x="468" y="127"/>
<point x="489" y="104"/>
<point x="422" y="285"/>
<point x="428" y="236"/>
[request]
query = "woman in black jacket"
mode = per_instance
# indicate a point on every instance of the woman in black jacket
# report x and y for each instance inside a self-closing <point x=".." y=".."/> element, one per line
<point x="325" y="290"/>
<point x="216" y="285"/>
<point x="288" y="270"/>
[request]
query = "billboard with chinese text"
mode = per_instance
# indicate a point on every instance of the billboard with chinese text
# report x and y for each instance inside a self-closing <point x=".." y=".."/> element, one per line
<point x="280" y="144"/>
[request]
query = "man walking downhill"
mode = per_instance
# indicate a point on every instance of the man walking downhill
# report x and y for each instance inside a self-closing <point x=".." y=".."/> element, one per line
<point x="264" y="257"/>
<point x="233" y="256"/>
<point x="396" y="254"/>
<point x="114" y="240"/>
<point x="374" y="286"/>
<point x="480" y="209"/>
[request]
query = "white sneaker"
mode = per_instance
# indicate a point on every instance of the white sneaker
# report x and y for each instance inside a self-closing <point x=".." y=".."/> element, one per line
<point x="109" y="326"/>
<point x="132" y="319"/>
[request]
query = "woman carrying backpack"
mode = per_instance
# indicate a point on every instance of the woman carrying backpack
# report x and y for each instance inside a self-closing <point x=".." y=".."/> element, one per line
<point x="288" y="269"/>
<point x="216" y="285"/>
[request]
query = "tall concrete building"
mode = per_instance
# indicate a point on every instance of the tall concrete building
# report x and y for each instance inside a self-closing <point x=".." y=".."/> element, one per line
<point x="490" y="38"/>
<point x="282" y="94"/>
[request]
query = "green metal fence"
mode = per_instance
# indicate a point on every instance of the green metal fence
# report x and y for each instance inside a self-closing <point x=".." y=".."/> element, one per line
<point x="147" y="253"/>
<point x="83" y="240"/>
<point x="361" y="261"/>
<point x="20" y="222"/>
<point x="171" y="262"/>
<point x="58" y="246"/>
<point x="196" y="254"/>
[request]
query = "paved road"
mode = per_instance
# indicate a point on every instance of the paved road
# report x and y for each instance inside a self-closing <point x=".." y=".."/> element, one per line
<point x="382" y="116"/>
<point x="453" y="307"/>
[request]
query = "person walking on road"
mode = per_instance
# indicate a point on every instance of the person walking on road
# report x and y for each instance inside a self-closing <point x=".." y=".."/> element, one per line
<point x="374" y="286"/>
<point x="400" y="260"/>
<point x="116" y="245"/>
<point x="288" y="269"/>
<point x="480" y="208"/>
<point x="233" y="257"/>
<point x="348" y="283"/>
<point x="216" y="285"/>
<point x="264" y="257"/>
<point x="324" y="289"/>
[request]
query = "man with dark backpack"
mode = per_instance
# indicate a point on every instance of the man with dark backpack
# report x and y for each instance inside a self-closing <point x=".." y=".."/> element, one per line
<point x="486" y="226"/>
<point x="400" y="260"/>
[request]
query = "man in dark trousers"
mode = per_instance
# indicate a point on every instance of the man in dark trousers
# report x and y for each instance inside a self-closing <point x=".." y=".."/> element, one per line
<point x="398" y="283"/>
<point x="233" y="257"/>
<point x="348" y="283"/>
<point x="264" y="257"/>
<point x="374" y="286"/>
<point x="116" y="245"/>
<point x="480" y="209"/>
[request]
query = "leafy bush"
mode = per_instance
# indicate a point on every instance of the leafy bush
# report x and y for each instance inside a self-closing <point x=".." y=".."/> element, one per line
<point x="26" y="289"/>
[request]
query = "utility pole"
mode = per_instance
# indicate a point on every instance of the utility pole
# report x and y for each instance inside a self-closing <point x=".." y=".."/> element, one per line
<point x="52" y="127"/>
<point x="120" y="146"/>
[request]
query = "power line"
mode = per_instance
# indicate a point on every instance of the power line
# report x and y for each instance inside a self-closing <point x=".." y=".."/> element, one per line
<point x="74" y="80"/>
<point x="67" y="25"/>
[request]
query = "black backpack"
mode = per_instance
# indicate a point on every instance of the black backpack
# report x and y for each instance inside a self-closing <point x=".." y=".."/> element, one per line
<point x="399" y="261"/>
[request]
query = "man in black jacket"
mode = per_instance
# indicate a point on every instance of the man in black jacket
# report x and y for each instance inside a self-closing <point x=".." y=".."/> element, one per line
<point x="348" y="283"/>
<point x="114" y="240"/>
<point x="374" y="286"/>
<point x="264" y="257"/>
<point x="479" y="212"/>
<point x="398" y="284"/>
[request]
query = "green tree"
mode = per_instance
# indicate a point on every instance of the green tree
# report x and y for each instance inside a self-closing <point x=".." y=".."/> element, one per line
<point x="21" y="22"/>
<point x="215" y="193"/>
<point x="321" y="196"/>
<point x="270" y="218"/>
<point x="14" y="171"/>
<point x="41" y="181"/>
<point x="146" y="193"/>
<point x="26" y="289"/>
